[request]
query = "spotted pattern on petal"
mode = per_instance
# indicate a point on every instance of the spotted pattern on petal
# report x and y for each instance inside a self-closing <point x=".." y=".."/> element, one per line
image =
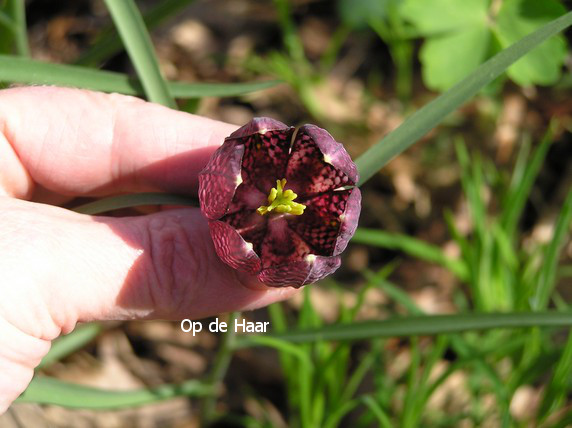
<point x="250" y="225"/>
<point x="281" y="245"/>
<point x="256" y="125"/>
<point x="308" y="173"/>
<point x="247" y="197"/>
<point x="297" y="274"/>
<point x="221" y="173"/>
<point x="265" y="158"/>
<point x="232" y="248"/>
<point x="350" y="220"/>
<point x="334" y="151"/>
<point x="320" y="224"/>
<point x="322" y="267"/>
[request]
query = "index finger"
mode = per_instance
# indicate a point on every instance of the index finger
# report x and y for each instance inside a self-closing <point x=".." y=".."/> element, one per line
<point x="83" y="143"/>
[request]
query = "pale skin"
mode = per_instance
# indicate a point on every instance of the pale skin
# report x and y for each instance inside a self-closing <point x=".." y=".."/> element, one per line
<point x="57" y="267"/>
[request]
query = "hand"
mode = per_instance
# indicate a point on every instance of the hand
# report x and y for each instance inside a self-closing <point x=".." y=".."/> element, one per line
<point x="58" y="267"/>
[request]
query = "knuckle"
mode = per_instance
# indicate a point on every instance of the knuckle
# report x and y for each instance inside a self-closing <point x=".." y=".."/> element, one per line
<point x="176" y="263"/>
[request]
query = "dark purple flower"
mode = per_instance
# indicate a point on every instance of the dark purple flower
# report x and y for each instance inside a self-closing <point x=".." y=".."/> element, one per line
<point x="281" y="204"/>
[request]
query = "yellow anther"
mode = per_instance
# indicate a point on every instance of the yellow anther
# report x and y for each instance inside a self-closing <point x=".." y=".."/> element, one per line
<point x="272" y="195"/>
<point x="283" y="208"/>
<point x="282" y="201"/>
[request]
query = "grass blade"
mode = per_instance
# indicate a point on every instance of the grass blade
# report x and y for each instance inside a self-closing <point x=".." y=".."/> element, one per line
<point x="133" y="200"/>
<point x="199" y="90"/>
<point x="558" y="388"/>
<point x="138" y="44"/>
<point x="415" y="326"/>
<point x="395" y="293"/>
<point x="16" y="10"/>
<point x="6" y="22"/>
<point x="433" y="113"/>
<point x="340" y="412"/>
<point x="7" y="30"/>
<point x="220" y="367"/>
<point x="413" y="247"/>
<point x="15" y="69"/>
<point x="547" y="277"/>
<point x="303" y="373"/>
<point x="520" y="186"/>
<point x="108" y="42"/>
<point x="46" y="390"/>
<point x="66" y="345"/>
<point x="382" y="418"/>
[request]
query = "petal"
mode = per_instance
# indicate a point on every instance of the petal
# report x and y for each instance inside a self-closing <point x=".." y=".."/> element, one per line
<point x="318" y="163"/>
<point x="219" y="179"/>
<point x="250" y="225"/>
<point x="281" y="245"/>
<point x="265" y="157"/>
<point x="256" y="126"/>
<point x="334" y="151"/>
<point x="247" y="197"/>
<point x="232" y="248"/>
<point x="349" y="220"/>
<point x="297" y="274"/>
<point x="267" y="144"/>
<point x="321" y="223"/>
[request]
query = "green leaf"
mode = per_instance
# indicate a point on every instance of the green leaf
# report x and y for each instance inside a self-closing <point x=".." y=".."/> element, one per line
<point x="434" y="112"/>
<point x="459" y="38"/>
<point x="66" y="345"/>
<point x="441" y="16"/>
<point x="357" y="13"/>
<point x="414" y="326"/>
<point x="447" y="59"/>
<point x="46" y="390"/>
<point x="133" y="32"/>
<point x="517" y="18"/>
<point x="23" y="70"/>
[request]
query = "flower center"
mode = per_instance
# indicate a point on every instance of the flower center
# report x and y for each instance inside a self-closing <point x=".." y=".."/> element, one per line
<point x="282" y="201"/>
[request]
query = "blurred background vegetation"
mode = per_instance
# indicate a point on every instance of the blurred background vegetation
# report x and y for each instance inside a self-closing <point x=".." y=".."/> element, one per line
<point x="473" y="220"/>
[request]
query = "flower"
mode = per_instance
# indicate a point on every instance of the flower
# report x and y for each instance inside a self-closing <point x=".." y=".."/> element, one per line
<point x="281" y="204"/>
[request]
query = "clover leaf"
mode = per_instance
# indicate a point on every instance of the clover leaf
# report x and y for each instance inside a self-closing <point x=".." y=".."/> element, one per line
<point x="461" y="35"/>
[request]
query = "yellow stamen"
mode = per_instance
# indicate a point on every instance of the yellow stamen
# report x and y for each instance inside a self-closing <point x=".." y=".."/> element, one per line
<point x="282" y="201"/>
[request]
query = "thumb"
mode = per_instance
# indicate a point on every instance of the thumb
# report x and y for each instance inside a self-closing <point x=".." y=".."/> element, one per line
<point x="63" y="267"/>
